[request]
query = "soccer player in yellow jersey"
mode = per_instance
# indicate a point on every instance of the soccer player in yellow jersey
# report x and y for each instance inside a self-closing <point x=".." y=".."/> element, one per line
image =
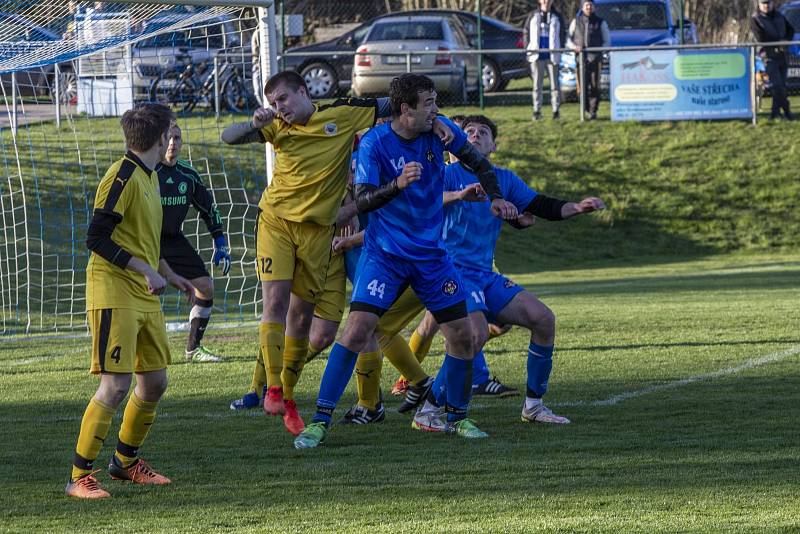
<point x="298" y="212"/>
<point x="123" y="280"/>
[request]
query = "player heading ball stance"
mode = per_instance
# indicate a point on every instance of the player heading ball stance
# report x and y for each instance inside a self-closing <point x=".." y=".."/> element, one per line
<point x="123" y="280"/>
<point x="181" y="186"/>
<point x="399" y="180"/>
<point x="470" y="237"/>
<point x="298" y="211"/>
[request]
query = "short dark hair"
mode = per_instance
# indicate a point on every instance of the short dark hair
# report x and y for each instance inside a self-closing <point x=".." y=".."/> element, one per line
<point x="480" y="119"/>
<point x="290" y="78"/>
<point x="458" y="119"/>
<point x="405" y="89"/>
<point x="144" y="125"/>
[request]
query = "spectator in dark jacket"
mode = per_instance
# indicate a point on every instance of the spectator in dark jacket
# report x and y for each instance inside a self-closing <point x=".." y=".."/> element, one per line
<point x="769" y="26"/>
<point x="589" y="31"/>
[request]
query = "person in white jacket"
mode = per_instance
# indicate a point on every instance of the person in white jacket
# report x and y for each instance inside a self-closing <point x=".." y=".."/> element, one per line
<point x="544" y="29"/>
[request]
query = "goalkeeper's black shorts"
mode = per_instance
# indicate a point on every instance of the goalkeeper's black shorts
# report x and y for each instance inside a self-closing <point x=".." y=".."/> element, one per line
<point x="182" y="257"/>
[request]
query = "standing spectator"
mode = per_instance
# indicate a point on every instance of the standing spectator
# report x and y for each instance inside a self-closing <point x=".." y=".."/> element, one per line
<point x="769" y="26"/>
<point x="543" y="31"/>
<point x="589" y="31"/>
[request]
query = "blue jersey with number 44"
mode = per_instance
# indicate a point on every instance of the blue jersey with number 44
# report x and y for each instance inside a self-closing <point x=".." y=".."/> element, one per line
<point x="410" y="225"/>
<point x="470" y="229"/>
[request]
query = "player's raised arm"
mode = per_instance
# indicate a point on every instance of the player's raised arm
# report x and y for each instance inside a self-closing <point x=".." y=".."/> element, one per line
<point x="242" y="133"/>
<point x="471" y="193"/>
<point x="481" y="167"/>
<point x="370" y="197"/>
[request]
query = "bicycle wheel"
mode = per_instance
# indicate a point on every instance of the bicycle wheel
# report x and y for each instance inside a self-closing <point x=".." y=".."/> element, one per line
<point x="174" y="92"/>
<point x="236" y="94"/>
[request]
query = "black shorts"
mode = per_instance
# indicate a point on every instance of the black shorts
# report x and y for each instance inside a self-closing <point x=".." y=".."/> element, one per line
<point x="182" y="257"/>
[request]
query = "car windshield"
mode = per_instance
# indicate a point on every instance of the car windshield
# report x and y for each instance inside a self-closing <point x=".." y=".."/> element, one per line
<point x="164" y="40"/>
<point x="407" y="30"/>
<point x="634" y="15"/>
<point x="793" y="15"/>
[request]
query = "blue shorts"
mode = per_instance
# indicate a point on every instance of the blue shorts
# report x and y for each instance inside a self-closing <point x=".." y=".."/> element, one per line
<point x="487" y="291"/>
<point x="382" y="277"/>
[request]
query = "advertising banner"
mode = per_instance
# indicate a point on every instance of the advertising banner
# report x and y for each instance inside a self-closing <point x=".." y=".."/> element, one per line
<point x="653" y="85"/>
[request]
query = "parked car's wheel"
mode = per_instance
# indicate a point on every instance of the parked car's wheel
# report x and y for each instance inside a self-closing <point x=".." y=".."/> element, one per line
<point x="67" y="85"/>
<point x="490" y="76"/>
<point x="321" y="80"/>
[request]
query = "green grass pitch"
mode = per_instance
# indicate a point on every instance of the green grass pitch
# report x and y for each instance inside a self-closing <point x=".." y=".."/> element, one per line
<point x="680" y="378"/>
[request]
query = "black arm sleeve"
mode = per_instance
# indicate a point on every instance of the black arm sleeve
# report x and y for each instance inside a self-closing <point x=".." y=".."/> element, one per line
<point x="480" y="166"/>
<point x="98" y="238"/>
<point x="203" y="202"/>
<point x="514" y="224"/>
<point x="242" y="133"/>
<point x="370" y="198"/>
<point x="546" y="207"/>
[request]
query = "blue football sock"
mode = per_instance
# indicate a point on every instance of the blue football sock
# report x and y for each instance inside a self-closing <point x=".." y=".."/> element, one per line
<point x="540" y="363"/>
<point x="480" y="370"/>
<point x="338" y="371"/>
<point x="439" y="385"/>
<point x="458" y="384"/>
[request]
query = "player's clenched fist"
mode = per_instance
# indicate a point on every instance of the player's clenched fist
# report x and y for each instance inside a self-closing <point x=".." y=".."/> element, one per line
<point x="155" y="282"/>
<point x="590" y="204"/>
<point x="504" y="209"/>
<point x="263" y="117"/>
<point x="411" y="173"/>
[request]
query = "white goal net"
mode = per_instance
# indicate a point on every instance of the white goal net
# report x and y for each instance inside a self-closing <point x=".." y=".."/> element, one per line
<point x="68" y="71"/>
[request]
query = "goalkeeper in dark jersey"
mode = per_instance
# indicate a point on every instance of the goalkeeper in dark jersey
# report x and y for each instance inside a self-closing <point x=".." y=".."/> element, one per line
<point x="181" y="187"/>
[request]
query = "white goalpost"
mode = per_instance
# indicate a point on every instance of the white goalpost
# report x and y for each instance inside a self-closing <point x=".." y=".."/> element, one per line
<point x="68" y="70"/>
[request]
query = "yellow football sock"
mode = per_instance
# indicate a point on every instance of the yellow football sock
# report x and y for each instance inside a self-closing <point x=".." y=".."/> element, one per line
<point x="420" y="346"/>
<point x="397" y="352"/>
<point x="259" y="374"/>
<point x="294" y="358"/>
<point x="136" y="422"/>
<point x="313" y="352"/>
<point x="271" y="338"/>
<point x="94" y="428"/>
<point x="368" y="378"/>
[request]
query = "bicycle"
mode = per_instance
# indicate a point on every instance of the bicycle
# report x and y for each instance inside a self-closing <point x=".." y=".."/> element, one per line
<point x="186" y="87"/>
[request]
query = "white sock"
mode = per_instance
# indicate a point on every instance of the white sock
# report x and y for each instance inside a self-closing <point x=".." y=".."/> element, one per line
<point x="531" y="403"/>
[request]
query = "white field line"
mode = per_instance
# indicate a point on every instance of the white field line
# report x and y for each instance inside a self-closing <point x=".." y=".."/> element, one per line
<point x="749" y="364"/>
<point x="36" y="359"/>
<point x="611" y="401"/>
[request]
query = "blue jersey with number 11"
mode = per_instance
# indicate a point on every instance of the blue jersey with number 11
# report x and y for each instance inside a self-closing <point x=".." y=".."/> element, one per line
<point x="470" y="229"/>
<point x="410" y="225"/>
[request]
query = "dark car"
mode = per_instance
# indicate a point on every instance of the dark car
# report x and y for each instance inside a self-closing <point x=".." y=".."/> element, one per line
<point x="330" y="74"/>
<point x="791" y="11"/>
<point x="36" y="81"/>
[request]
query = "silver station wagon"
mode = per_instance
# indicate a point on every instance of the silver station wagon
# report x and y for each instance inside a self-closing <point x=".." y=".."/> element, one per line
<point x="392" y="48"/>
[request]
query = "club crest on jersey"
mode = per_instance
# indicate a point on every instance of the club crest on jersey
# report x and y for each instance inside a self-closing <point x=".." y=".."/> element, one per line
<point x="182" y="188"/>
<point x="509" y="283"/>
<point x="450" y="287"/>
<point x="330" y="128"/>
<point x="429" y="155"/>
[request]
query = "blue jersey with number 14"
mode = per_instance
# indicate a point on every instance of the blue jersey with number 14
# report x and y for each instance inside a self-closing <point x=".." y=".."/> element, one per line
<point x="410" y="225"/>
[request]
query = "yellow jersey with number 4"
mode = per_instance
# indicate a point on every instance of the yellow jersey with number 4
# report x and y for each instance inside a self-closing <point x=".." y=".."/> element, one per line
<point x="129" y="192"/>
